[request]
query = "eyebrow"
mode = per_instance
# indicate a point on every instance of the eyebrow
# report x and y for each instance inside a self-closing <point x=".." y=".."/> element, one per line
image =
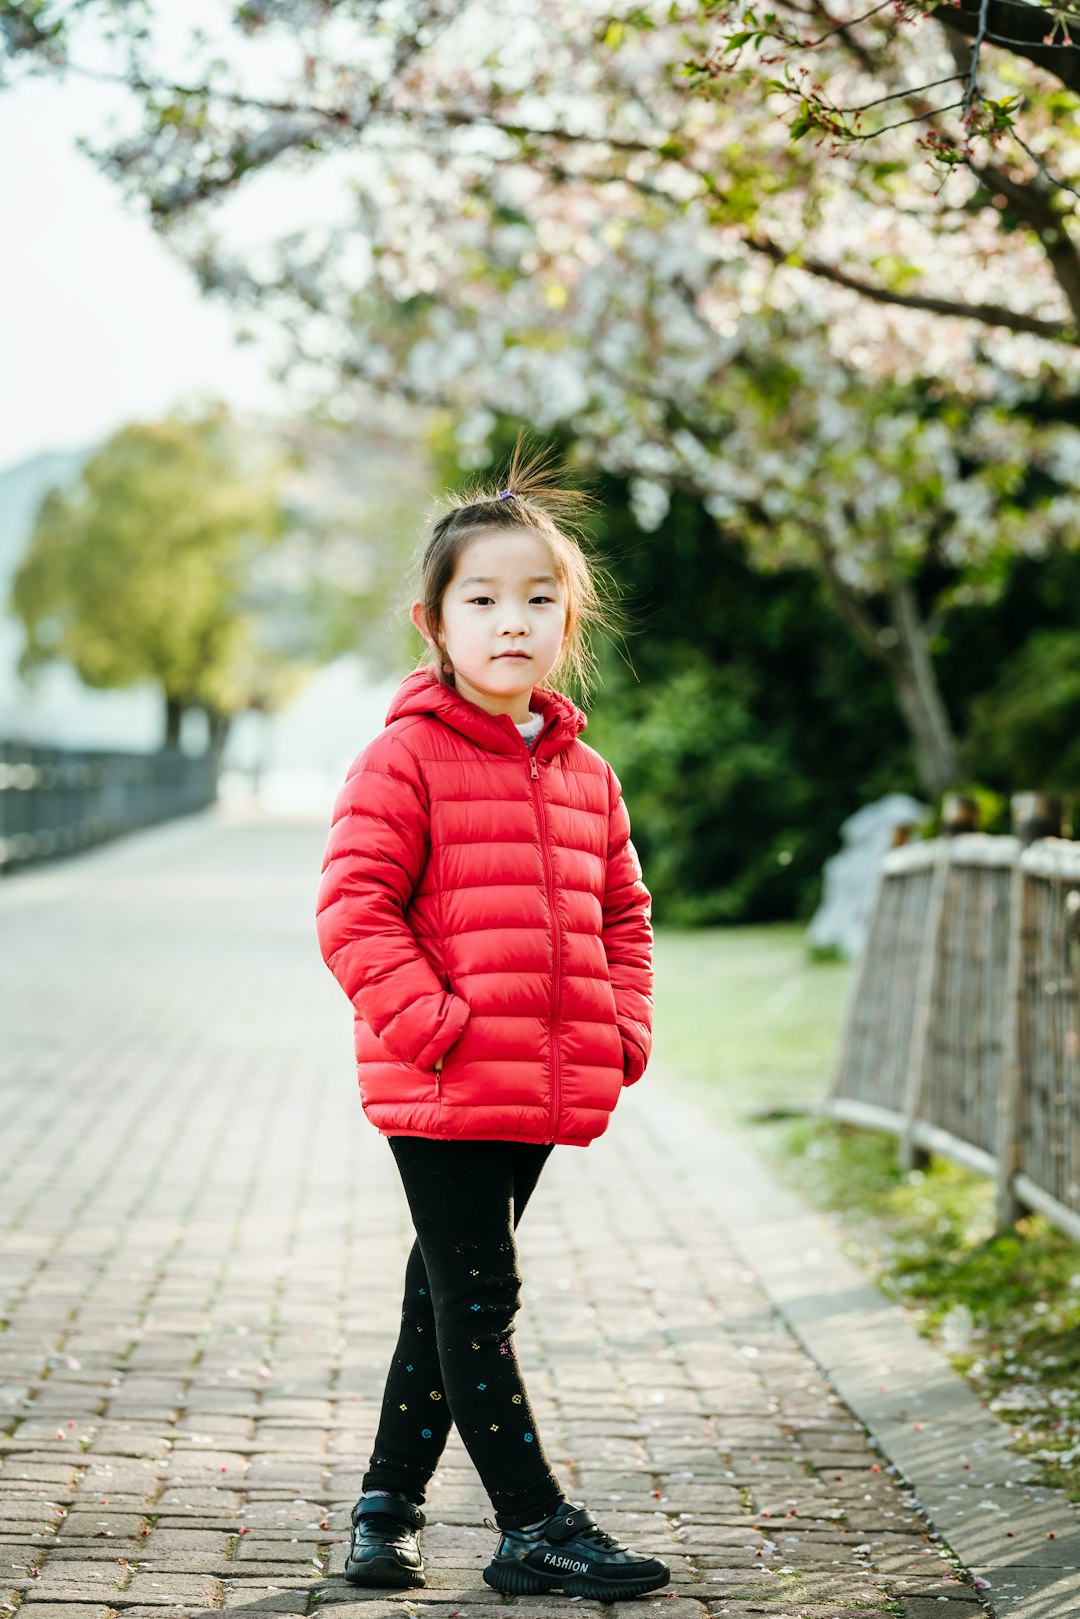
<point x="537" y="579"/>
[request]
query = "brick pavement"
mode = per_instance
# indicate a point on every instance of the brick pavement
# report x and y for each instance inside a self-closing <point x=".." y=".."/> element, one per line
<point x="202" y="1248"/>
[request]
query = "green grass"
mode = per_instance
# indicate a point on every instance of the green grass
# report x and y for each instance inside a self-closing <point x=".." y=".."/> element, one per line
<point x="746" y="1016"/>
<point x="746" y="1019"/>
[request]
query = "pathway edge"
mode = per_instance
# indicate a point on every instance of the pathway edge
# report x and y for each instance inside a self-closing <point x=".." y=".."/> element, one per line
<point x="956" y="1456"/>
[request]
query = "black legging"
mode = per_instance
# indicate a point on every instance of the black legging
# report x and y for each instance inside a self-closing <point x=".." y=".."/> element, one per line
<point x="454" y="1359"/>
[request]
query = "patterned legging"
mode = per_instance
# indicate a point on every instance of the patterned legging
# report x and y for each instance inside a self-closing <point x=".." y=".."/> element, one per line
<point x="455" y="1359"/>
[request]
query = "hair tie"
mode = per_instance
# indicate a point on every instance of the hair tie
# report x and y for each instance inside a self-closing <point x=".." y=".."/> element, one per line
<point x="506" y="494"/>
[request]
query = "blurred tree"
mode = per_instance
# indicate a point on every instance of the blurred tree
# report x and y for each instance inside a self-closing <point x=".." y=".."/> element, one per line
<point x="147" y="569"/>
<point x="745" y="726"/>
<point x="909" y="502"/>
<point x="1026" y="728"/>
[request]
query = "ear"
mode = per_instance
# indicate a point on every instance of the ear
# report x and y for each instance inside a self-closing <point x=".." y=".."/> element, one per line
<point x="416" y="613"/>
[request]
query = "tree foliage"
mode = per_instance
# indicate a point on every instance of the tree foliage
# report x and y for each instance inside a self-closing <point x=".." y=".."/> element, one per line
<point x="147" y="569"/>
<point x="1026" y="727"/>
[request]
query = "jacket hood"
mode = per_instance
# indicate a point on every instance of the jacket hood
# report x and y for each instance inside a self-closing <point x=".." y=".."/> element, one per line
<point x="422" y="692"/>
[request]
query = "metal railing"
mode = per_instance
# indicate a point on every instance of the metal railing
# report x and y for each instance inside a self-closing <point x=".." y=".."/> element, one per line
<point x="55" y="801"/>
<point x="962" y="1031"/>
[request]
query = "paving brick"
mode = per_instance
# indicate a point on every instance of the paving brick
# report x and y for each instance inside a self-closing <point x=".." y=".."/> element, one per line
<point x="380" y="1606"/>
<point x="162" y="1587"/>
<point x="178" y="1562"/>
<point x="199" y="1498"/>
<point x="79" y="1567"/>
<point x="949" y="1590"/>
<point x="92" y="1551"/>
<point x="22" y="1515"/>
<point x="37" y="1482"/>
<point x="116" y="1475"/>
<point x="800" y="1610"/>
<point x="166" y="1610"/>
<point x="16" y="1556"/>
<point x="274" y="1602"/>
<point x="86" y="1517"/>
<point x="936" y="1607"/>
<point x="83" y="1609"/>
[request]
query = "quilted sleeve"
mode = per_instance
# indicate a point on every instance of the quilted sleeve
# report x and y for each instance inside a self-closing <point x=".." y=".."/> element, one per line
<point x="376" y="851"/>
<point x="628" y="939"/>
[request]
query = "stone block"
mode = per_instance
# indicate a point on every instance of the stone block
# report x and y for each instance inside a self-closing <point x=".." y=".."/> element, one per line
<point x="154" y="1587"/>
<point x="71" y="1610"/>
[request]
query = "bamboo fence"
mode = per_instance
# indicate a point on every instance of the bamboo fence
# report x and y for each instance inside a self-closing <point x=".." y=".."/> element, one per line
<point x="962" y="1032"/>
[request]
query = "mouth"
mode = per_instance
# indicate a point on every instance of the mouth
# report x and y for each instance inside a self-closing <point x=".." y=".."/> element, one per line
<point x="517" y="657"/>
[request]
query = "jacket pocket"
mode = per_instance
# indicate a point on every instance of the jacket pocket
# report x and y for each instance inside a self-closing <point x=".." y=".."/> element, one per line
<point x="455" y="1015"/>
<point x="450" y="1055"/>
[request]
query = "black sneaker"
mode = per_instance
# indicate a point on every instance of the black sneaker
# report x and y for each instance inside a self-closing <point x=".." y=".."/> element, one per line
<point x="570" y="1553"/>
<point x="384" y="1549"/>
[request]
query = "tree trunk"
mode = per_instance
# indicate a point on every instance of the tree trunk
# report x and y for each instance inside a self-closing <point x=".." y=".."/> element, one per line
<point x="217" y="727"/>
<point x="174" y="713"/>
<point x="919" y="695"/>
<point x="901" y="648"/>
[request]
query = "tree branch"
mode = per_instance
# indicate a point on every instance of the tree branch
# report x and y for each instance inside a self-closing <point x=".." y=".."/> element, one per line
<point x="1024" y="26"/>
<point x="1031" y="201"/>
<point x="973" y="58"/>
<point x="1034" y="207"/>
<point x="988" y="314"/>
<point x="851" y="43"/>
<point x="852" y="609"/>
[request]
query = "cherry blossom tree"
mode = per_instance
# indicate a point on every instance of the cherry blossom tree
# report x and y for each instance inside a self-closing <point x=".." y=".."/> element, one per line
<point x="571" y="214"/>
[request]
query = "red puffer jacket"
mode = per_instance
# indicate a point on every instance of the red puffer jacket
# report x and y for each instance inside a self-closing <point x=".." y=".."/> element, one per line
<point x="483" y="903"/>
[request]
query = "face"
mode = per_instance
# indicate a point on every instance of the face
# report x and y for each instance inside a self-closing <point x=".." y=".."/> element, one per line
<point x="503" y="620"/>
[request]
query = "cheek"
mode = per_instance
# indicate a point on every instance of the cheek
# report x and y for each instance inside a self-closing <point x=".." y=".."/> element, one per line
<point x="449" y="623"/>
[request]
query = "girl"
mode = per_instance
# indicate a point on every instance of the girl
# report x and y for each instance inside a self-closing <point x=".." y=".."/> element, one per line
<point x="482" y="907"/>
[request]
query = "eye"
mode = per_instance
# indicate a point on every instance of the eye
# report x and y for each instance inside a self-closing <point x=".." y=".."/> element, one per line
<point x="541" y="599"/>
<point x="479" y="600"/>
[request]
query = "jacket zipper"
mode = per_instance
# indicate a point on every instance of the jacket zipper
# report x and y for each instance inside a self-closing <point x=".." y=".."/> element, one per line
<point x="549" y="878"/>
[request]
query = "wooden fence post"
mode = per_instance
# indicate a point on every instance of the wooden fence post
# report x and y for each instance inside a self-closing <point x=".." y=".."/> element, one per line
<point x="1011" y="1084"/>
<point x="911" y="1155"/>
<point x="855" y="989"/>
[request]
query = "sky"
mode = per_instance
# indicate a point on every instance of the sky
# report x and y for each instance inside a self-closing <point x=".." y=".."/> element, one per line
<point x="100" y="324"/>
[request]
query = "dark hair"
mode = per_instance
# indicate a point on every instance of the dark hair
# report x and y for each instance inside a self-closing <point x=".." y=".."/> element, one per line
<point x="528" y="495"/>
